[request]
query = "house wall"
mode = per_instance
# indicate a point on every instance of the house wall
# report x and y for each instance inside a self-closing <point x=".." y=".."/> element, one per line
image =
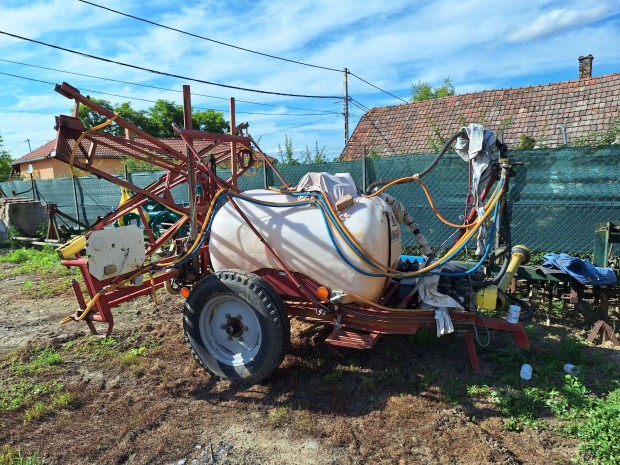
<point x="54" y="169"/>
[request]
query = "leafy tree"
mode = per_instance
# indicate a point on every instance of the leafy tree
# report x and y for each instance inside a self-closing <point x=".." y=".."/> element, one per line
<point x="318" y="156"/>
<point x="6" y="162"/>
<point x="157" y="120"/>
<point x="424" y="91"/>
<point x="287" y="156"/>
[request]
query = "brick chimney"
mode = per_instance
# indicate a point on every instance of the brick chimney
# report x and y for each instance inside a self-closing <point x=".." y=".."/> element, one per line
<point x="585" y="67"/>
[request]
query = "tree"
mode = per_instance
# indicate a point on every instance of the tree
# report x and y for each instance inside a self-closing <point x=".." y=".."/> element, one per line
<point x="287" y="156"/>
<point x="6" y="162"/>
<point x="423" y="91"/>
<point x="318" y="156"/>
<point x="156" y="121"/>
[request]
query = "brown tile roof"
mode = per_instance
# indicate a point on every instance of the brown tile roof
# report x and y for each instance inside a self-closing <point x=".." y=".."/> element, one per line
<point x="582" y="106"/>
<point x="45" y="150"/>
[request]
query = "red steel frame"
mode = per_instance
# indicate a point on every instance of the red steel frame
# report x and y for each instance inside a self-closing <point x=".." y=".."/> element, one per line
<point x="354" y="325"/>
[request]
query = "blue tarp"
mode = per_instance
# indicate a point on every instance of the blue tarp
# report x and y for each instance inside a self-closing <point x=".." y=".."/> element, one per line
<point x="582" y="270"/>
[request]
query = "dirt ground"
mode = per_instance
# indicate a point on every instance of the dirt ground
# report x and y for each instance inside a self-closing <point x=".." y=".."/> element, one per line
<point x="400" y="403"/>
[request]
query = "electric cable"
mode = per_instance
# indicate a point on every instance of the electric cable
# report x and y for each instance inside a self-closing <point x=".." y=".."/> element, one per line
<point x="376" y="87"/>
<point x="162" y="88"/>
<point x="210" y="40"/>
<point x="163" y="73"/>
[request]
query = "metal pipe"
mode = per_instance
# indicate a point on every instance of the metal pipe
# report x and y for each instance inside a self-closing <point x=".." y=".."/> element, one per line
<point x="191" y="166"/>
<point x="564" y="135"/>
<point x="346" y="106"/>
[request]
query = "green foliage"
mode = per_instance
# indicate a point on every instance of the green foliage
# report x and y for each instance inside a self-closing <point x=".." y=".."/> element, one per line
<point x="6" y="162"/>
<point x="156" y="120"/>
<point x="286" y="155"/>
<point x="13" y="233"/>
<point x="424" y="91"/>
<point x="25" y="393"/>
<point x="44" y="261"/>
<point x="10" y="456"/>
<point x="600" y="432"/>
<point x="41" y="360"/>
<point x="317" y="156"/>
<point x="599" y="138"/>
<point x="133" y="355"/>
<point x="525" y="142"/>
<point x="138" y="166"/>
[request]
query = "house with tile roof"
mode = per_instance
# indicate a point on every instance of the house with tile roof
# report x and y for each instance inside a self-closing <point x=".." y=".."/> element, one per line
<point x="551" y="115"/>
<point x="45" y="166"/>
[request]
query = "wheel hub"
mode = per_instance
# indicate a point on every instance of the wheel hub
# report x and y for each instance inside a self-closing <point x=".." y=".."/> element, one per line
<point x="234" y="327"/>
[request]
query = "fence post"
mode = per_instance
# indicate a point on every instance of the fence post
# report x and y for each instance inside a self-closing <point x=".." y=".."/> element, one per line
<point x="364" y="181"/>
<point x="75" y="200"/>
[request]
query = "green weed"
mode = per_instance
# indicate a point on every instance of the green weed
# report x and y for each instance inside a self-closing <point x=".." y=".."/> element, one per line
<point x="41" y="360"/>
<point x="40" y="409"/>
<point x="279" y="416"/>
<point x="24" y="393"/>
<point x="429" y="378"/>
<point x="37" y="262"/>
<point x="600" y="432"/>
<point x="10" y="456"/>
<point x="334" y="377"/>
<point x="133" y="355"/>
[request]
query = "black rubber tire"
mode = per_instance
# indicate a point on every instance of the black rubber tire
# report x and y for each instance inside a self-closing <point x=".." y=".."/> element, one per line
<point x="267" y="307"/>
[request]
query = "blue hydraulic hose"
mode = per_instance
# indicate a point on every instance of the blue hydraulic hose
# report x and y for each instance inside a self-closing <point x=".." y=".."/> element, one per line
<point x="325" y="212"/>
<point x="484" y="256"/>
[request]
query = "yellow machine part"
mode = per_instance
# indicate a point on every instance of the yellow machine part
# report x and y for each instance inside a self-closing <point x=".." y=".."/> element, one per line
<point x="486" y="298"/>
<point x="490" y="297"/>
<point x="71" y="248"/>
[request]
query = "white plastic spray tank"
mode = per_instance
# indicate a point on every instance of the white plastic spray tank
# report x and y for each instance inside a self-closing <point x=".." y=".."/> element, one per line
<point x="303" y="241"/>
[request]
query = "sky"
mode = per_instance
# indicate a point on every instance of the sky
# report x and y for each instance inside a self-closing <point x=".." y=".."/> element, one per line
<point x="390" y="45"/>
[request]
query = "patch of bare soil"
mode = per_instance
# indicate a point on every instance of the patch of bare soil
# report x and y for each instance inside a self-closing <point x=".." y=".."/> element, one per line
<point x="145" y="400"/>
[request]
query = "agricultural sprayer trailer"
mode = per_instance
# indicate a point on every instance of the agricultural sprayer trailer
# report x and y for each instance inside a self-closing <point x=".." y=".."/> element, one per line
<point x="248" y="262"/>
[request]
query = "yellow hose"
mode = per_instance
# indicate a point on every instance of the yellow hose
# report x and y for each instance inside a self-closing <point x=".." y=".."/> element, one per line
<point x="394" y="273"/>
<point x="84" y="134"/>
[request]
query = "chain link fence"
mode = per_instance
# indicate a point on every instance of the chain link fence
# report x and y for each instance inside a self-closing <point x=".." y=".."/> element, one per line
<point x="556" y="198"/>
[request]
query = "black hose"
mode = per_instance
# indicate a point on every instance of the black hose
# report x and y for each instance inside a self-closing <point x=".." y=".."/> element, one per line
<point x="443" y="151"/>
<point x="507" y="245"/>
<point x="428" y="169"/>
<point x="524" y="305"/>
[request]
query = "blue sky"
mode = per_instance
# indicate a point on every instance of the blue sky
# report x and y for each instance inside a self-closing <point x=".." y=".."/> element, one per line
<point x="479" y="44"/>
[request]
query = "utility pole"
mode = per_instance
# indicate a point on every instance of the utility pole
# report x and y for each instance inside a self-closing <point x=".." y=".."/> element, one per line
<point x="346" y="106"/>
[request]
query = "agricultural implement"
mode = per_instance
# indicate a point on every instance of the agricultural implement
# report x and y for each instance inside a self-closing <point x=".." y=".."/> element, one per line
<point x="249" y="261"/>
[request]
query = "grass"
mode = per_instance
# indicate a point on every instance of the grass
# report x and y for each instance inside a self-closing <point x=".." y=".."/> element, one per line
<point x="44" y="264"/>
<point x="35" y="262"/>
<point x="585" y="407"/>
<point x="24" y="394"/>
<point x="40" y="360"/>
<point x="9" y="456"/>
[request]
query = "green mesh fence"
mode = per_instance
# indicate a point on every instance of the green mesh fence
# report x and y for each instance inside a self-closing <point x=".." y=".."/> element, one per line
<point x="557" y="196"/>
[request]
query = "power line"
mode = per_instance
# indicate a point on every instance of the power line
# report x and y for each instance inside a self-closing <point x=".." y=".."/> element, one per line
<point x="161" y="88"/>
<point x="162" y="73"/>
<point x="237" y="47"/>
<point x="208" y="39"/>
<point x="376" y="87"/>
<point x="155" y="101"/>
<point x="359" y="105"/>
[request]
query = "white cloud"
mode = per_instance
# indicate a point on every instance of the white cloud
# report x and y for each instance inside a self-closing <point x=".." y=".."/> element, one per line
<point x="391" y="44"/>
<point x="559" y="21"/>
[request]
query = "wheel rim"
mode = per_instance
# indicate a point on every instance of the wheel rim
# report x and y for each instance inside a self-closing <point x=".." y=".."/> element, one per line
<point x="230" y="330"/>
